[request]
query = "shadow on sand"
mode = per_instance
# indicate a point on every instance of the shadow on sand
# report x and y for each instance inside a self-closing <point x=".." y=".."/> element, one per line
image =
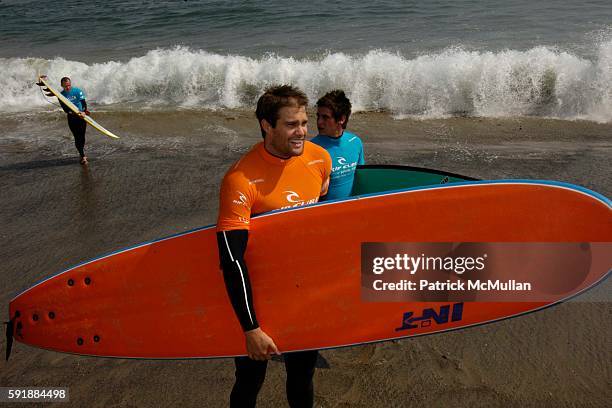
<point x="38" y="164"/>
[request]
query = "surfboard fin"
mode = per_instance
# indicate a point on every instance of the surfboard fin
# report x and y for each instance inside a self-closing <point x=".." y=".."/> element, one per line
<point x="321" y="362"/>
<point x="10" y="325"/>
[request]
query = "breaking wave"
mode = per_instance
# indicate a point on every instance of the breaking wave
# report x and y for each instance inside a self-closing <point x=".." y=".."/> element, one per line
<point x="542" y="81"/>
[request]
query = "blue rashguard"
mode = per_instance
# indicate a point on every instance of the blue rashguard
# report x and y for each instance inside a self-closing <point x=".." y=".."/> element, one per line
<point x="346" y="152"/>
<point x="76" y="96"/>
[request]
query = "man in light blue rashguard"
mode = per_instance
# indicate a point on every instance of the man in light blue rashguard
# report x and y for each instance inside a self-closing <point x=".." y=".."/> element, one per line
<point x="345" y="148"/>
<point x="77" y="125"/>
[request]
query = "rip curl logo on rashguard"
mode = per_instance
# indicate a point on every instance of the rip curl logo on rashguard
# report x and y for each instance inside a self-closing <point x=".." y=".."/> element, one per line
<point x="310" y="163"/>
<point x="294" y="200"/>
<point x="242" y="200"/>
<point x="293" y="197"/>
<point x="343" y="168"/>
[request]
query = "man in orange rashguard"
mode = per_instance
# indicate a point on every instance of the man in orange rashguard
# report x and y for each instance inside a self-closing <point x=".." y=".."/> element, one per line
<point x="283" y="171"/>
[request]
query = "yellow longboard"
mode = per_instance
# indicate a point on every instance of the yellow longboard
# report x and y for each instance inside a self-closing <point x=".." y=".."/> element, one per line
<point x="72" y="107"/>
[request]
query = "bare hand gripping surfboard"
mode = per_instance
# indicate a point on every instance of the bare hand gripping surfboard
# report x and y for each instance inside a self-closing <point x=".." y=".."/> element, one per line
<point x="166" y="299"/>
<point x="72" y="107"/>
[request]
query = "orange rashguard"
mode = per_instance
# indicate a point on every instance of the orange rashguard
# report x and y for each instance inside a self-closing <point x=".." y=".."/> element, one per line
<point x="261" y="182"/>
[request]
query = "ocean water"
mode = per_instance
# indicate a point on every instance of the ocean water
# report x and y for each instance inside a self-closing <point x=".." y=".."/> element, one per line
<point x="424" y="59"/>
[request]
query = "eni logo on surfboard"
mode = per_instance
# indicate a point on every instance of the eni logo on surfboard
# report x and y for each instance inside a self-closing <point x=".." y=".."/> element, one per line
<point x="454" y="312"/>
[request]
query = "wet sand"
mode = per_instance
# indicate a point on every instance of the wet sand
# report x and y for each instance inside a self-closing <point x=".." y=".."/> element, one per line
<point x="162" y="178"/>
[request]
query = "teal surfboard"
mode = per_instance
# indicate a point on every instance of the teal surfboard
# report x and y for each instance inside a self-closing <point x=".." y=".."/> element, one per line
<point x="379" y="178"/>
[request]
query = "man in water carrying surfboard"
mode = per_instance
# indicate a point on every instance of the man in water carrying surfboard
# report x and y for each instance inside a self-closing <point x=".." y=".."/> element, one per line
<point x="283" y="171"/>
<point x="75" y="121"/>
<point x="345" y="148"/>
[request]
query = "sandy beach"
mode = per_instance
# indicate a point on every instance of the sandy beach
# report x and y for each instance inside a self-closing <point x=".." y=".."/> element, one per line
<point x="162" y="177"/>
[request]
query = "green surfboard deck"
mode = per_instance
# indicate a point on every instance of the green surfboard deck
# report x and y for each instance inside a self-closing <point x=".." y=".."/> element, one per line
<point x="379" y="178"/>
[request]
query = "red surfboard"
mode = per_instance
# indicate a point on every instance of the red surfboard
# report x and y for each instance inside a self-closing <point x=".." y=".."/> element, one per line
<point x="167" y="299"/>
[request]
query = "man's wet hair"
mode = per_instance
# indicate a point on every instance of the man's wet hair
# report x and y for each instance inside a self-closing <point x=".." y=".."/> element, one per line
<point x="274" y="99"/>
<point x="64" y="80"/>
<point x="338" y="103"/>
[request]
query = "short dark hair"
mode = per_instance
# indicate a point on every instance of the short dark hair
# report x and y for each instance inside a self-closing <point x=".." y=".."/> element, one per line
<point x="338" y="103"/>
<point x="274" y="99"/>
<point x="63" y="80"/>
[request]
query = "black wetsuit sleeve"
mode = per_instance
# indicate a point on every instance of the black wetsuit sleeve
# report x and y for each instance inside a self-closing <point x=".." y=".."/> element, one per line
<point x="232" y="246"/>
<point x="84" y="104"/>
<point x="65" y="108"/>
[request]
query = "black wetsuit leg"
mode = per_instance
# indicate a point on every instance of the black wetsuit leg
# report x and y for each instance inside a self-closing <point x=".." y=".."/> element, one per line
<point x="300" y="368"/>
<point x="250" y="375"/>
<point x="78" y="127"/>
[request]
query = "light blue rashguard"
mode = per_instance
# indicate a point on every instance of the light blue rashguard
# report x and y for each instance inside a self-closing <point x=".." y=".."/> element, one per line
<point x="76" y="96"/>
<point x="346" y="152"/>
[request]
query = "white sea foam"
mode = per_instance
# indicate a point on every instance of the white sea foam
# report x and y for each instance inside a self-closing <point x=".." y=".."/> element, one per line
<point x="541" y="81"/>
